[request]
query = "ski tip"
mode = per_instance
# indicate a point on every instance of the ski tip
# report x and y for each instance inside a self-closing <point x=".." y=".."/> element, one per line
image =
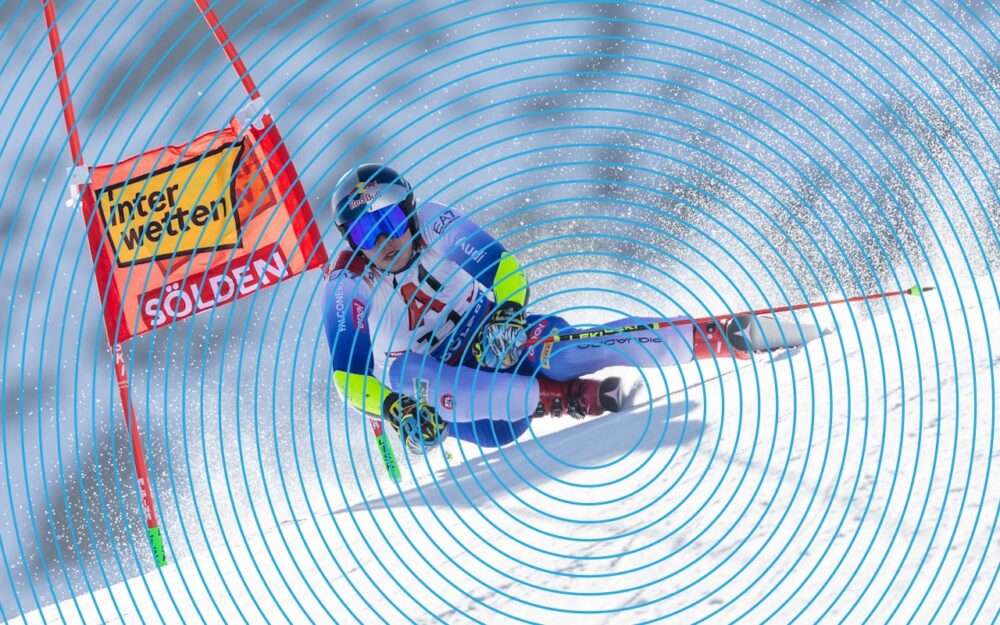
<point x="916" y="289"/>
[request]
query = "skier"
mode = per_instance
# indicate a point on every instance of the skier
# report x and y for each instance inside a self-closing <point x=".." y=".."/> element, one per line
<point x="427" y="321"/>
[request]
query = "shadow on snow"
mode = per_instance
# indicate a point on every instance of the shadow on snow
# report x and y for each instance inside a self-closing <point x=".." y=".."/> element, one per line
<point x="585" y="448"/>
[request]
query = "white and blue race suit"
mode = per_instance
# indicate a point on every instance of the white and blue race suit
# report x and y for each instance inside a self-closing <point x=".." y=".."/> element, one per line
<point x="412" y="332"/>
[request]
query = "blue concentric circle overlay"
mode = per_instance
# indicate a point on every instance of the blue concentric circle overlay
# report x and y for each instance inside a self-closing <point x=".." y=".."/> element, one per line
<point x="641" y="161"/>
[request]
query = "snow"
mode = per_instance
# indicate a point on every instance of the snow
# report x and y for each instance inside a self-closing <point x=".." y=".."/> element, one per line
<point x="845" y="481"/>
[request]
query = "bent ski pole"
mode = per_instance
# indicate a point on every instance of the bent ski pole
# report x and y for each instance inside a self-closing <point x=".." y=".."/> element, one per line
<point x="657" y="325"/>
<point x="385" y="448"/>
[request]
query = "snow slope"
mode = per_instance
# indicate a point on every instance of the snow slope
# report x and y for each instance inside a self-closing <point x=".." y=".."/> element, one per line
<point x="851" y="480"/>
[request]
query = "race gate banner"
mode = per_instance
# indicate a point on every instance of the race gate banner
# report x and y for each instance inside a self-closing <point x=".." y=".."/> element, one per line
<point x="183" y="229"/>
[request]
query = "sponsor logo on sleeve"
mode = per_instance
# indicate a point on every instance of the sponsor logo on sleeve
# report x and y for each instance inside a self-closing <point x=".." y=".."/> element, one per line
<point x="359" y="314"/>
<point x="444" y="220"/>
<point x="338" y="306"/>
<point x="453" y="240"/>
<point x="447" y="401"/>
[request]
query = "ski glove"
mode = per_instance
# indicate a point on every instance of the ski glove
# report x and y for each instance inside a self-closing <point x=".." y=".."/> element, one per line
<point x="502" y="338"/>
<point x="418" y="425"/>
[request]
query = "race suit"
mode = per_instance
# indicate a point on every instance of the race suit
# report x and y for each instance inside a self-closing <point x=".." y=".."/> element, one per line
<point x="412" y="332"/>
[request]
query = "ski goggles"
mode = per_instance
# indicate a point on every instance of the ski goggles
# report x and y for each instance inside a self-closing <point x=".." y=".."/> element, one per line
<point x="363" y="233"/>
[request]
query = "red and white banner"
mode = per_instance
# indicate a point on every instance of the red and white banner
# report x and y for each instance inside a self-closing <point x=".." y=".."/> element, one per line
<point x="183" y="229"/>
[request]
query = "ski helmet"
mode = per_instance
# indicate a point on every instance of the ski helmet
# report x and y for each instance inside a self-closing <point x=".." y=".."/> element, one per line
<point x="371" y="200"/>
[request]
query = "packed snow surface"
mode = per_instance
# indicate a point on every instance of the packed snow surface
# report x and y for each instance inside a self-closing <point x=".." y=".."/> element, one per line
<point x="847" y="480"/>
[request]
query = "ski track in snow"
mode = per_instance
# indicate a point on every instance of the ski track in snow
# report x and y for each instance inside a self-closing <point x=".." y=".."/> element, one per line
<point x="783" y="488"/>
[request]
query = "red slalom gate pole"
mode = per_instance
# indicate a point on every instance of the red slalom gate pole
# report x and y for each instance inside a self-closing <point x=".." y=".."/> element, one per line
<point x="59" y="63"/>
<point x="227" y="46"/>
<point x="657" y="325"/>
<point x="139" y="458"/>
<point x="121" y="372"/>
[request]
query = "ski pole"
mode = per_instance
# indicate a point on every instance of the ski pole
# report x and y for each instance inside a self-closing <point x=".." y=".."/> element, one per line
<point x="385" y="448"/>
<point x="913" y="290"/>
<point x="656" y="325"/>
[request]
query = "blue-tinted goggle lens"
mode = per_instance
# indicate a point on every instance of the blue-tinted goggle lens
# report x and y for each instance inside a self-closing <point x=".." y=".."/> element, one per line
<point x="366" y="229"/>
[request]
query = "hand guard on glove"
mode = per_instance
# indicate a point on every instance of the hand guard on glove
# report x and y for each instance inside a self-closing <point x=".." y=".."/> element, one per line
<point x="418" y="425"/>
<point x="502" y="338"/>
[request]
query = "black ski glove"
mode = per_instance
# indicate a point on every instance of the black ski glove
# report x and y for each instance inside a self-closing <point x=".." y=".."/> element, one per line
<point x="502" y="338"/>
<point x="418" y="425"/>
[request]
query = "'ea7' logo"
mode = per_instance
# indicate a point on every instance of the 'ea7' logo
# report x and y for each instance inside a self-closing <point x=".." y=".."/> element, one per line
<point x="178" y="210"/>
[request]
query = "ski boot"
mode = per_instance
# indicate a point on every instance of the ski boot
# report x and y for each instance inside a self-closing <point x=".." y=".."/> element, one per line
<point x="578" y="398"/>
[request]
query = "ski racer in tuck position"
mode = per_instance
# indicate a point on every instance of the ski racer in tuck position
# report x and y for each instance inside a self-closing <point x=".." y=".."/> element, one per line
<point x="427" y="321"/>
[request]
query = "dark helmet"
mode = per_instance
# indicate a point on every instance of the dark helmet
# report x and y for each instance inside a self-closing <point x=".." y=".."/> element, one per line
<point x="368" y="189"/>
